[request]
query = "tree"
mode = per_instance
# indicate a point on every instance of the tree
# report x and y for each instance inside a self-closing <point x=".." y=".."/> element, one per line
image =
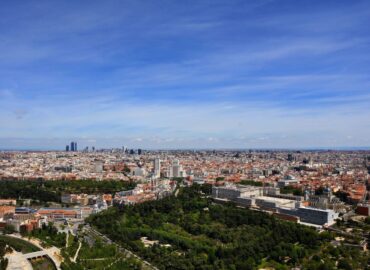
<point x="344" y="264"/>
<point x="367" y="220"/>
<point x="9" y="229"/>
<point x="126" y="169"/>
<point x="319" y="191"/>
<point x="204" y="235"/>
<point x="342" y="195"/>
<point x="3" y="263"/>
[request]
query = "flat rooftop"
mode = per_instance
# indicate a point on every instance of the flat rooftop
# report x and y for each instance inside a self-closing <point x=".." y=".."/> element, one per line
<point x="317" y="209"/>
<point x="274" y="199"/>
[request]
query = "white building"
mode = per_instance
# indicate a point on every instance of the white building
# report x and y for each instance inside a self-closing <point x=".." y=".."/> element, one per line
<point x="176" y="169"/>
<point x="139" y="171"/>
<point x="312" y="215"/>
<point x="157" y="168"/>
<point x="287" y="181"/>
<point x="98" y="166"/>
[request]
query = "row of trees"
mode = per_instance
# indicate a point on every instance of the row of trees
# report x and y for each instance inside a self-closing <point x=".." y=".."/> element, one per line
<point x="203" y="235"/>
<point x="50" y="191"/>
<point x="252" y="183"/>
<point x="291" y="190"/>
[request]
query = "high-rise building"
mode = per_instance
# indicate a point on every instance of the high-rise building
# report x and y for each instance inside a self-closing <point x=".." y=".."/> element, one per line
<point x="73" y="147"/>
<point x="67" y="148"/>
<point x="176" y="169"/>
<point x="290" y="157"/>
<point x="157" y="167"/>
<point x="176" y="162"/>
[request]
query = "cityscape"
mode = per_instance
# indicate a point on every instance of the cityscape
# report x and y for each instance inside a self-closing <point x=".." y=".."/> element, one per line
<point x="185" y="135"/>
<point x="326" y="190"/>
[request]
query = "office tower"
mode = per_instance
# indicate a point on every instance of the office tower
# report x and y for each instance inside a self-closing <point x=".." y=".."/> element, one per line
<point x="93" y="148"/>
<point x="139" y="151"/>
<point x="73" y="147"/>
<point x="176" y="169"/>
<point x="157" y="167"/>
<point x="67" y="148"/>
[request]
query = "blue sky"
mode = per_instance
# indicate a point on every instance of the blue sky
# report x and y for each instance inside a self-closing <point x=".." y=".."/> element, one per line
<point x="185" y="74"/>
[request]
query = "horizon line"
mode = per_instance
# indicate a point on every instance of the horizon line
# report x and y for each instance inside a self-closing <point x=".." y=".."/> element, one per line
<point x="339" y="148"/>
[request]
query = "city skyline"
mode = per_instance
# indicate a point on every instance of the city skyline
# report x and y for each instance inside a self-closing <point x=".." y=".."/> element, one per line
<point x="200" y="74"/>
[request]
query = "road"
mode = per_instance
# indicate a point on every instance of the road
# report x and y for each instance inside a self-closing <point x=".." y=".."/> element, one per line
<point x="78" y="250"/>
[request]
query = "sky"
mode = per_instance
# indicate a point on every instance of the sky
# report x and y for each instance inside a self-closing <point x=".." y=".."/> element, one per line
<point x="185" y="74"/>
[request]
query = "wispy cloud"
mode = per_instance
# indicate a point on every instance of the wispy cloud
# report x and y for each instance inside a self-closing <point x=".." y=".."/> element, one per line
<point x="223" y="122"/>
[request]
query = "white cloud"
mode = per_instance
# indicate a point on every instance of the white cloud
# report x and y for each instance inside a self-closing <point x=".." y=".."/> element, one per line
<point x="197" y="124"/>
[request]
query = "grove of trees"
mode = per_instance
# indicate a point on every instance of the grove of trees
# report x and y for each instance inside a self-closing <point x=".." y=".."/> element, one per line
<point x="51" y="191"/>
<point x="202" y="235"/>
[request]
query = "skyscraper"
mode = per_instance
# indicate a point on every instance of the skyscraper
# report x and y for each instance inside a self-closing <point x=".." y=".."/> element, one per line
<point x="67" y="148"/>
<point x="73" y="146"/>
<point x="176" y="169"/>
<point x="157" y="167"/>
